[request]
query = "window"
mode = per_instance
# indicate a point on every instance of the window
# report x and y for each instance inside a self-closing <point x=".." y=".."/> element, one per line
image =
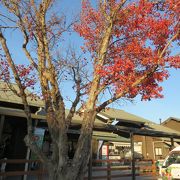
<point x="158" y="151"/>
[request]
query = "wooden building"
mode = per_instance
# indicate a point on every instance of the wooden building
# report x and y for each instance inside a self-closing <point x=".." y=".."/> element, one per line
<point x="150" y="146"/>
<point x="113" y="130"/>
<point x="172" y="123"/>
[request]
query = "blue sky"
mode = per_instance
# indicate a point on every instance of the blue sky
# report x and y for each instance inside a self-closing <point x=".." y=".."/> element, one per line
<point x="169" y="106"/>
<point x="153" y="110"/>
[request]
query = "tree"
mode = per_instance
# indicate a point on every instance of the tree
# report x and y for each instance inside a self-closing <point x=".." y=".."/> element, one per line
<point x="130" y="46"/>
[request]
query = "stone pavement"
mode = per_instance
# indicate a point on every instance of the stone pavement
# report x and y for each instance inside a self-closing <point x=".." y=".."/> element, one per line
<point x="122" y="178"/>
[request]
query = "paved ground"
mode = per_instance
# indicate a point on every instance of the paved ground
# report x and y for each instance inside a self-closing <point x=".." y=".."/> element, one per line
<point x="95" y="174"/>
<point x="122" y="178"/>
<point x="137" y="178"/>
<point x="99" y="174"/>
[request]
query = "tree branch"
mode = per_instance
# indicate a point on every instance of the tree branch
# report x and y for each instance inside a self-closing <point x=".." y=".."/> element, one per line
<point x="136" y="83"/>
<point x="8" y="27"/>
<point x="4" y="16"/>
<point x="169" y="43"/>
<point x="17" y="13"/>
<point x="22" y="95"/>
<point x="77" y="99"/>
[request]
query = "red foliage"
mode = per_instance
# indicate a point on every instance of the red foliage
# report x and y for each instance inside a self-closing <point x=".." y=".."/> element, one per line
<point x="141" y="35"/>
<point x="4" y="70"/>
<point x="25" y="73"/>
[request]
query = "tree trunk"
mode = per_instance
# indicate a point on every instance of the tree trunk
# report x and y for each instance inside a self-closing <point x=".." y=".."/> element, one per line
<point x="76" y="168"/>
<point x="69" y="174"/>
<point x="81" y="157"/>
<point x="70" y="170"/>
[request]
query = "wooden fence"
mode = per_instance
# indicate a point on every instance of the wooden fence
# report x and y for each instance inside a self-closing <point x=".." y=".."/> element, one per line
<point x="109" y="169"/>
<point x="100" y="169"/>
<point x="29" y="172"/>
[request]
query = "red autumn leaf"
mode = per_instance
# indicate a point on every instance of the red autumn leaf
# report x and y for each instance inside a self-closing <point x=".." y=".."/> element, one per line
<point x="139" y="43"/>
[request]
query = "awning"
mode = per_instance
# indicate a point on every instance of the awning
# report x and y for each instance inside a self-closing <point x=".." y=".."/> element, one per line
<point x="122" y="144"/>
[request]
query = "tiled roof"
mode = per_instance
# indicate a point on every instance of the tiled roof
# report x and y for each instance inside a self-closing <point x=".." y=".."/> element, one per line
<point x="6" y="95"/>
<point x="120" y="115"/>
<point x="158" y="127"/>
<point x="171" y="118"/>
<point x="116" y="114"/>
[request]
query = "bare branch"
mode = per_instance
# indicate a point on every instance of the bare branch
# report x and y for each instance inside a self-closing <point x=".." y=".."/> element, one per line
<point x="26" y="40"/>
<point x="77" y="81"/>
<point x="22" y="93"/>
<point x="8" y="27"/>
<point x="6" y="17"/>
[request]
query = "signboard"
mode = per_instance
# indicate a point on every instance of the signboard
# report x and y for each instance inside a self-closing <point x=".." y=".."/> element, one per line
<point x="105" y="150"/>
<point x="39" y="136"/>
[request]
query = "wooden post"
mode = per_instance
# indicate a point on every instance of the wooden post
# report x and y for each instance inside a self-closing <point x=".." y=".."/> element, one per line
<point x="153" y="168"/>
<point x="108" y="170"/>
<point x="27" y="163"/>
<point x="172" y="143"/>
<point x="100" y="144"/>
<point x="1" y="126"/>
<point x="108" y="164"/>
<point x="132" y="157"/>
<point x="90" y="164"/>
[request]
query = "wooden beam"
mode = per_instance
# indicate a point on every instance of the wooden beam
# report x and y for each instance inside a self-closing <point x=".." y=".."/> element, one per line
<point x="1" y="126"/>
<point x="172" y="143"/>
<point x="137" y="131"/>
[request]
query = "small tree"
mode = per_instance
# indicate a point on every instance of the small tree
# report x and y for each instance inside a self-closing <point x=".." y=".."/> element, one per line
<point x="130" y="45"/>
